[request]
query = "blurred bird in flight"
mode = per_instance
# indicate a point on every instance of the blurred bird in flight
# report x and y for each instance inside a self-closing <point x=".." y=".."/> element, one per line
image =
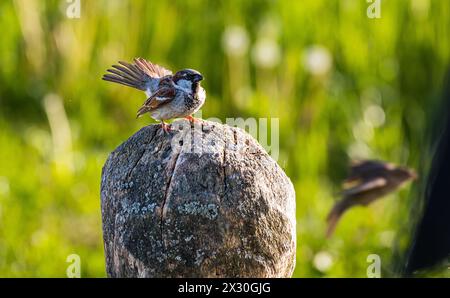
<point x="368" y="181"/>
<point x="168" y="96"/>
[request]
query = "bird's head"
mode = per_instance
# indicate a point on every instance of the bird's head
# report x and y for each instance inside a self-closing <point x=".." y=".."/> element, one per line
<point x="187" y="77"/>
<point x="402" y="174"/>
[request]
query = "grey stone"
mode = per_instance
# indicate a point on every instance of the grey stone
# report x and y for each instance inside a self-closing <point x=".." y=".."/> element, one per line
<point x="203" y="201"/>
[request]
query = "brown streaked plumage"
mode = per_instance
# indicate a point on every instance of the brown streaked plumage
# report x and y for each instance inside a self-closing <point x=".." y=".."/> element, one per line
<point x="162" y="96"/>
<point x="168" y="96"/>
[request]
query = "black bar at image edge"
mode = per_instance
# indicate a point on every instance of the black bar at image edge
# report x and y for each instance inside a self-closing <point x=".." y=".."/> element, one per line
<point x="228" y="287"/>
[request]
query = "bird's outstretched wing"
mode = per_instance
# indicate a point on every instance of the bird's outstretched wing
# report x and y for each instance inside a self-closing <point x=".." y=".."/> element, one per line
<point x="161" y="97"/>
<point x="153" y="70"/>
<point x="141" y="74"/>
<point x="365" y="186"/>
<point x="366" y="169"/>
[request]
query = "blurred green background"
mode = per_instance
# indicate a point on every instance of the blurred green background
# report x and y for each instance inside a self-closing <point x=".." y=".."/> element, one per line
<point x="343" y="86"/>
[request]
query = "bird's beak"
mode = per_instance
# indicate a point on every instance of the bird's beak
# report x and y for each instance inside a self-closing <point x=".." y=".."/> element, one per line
<point x="198" y="77"/>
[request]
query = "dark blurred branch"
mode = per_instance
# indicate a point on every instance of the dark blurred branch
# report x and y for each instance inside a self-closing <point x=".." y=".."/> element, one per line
<point x="431" y="244"/>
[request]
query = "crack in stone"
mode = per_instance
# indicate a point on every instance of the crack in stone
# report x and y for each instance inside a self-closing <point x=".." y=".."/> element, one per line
<point x="166" y="195"/>
<point x="235" y="137"/>
<point x="225" y="186"/>
<point x="140" y="157"/>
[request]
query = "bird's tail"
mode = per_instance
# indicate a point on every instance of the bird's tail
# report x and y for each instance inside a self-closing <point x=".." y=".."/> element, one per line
<point x="127" y="74"/>
<point x="142" y="110"/>
<point x="334" y="216"/>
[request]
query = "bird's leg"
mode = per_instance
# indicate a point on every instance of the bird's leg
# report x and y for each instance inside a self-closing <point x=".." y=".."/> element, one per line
<point x="165" y="126"/>
<point x="191" y="119"/>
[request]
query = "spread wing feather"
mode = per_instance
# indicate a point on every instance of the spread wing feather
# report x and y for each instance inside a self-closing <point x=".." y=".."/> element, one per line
<point x="142" y="75"/>
<point x="153" y="70"/>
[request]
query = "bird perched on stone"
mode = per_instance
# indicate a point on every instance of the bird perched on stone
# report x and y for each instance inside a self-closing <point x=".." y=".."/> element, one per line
<point x="368" y="181"/>
<point x="168" y="96"/>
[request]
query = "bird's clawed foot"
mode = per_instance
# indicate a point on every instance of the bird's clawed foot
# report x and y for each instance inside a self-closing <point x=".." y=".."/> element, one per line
<point x="192" y="119"/>
<point x="166" y="127"/>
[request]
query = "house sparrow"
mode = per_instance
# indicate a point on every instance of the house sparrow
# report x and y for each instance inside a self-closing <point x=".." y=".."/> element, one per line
<point x="368" y="181"/>
<point x="168" y="96"/>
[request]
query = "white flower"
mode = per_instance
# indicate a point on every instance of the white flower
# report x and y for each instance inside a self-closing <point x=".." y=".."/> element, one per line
<point x="235" y="41"/>
<point x="374" y="115"/>
<point x="317" y="60"/>
<point x="323" y="261"/>
<point x="266" y="53"/>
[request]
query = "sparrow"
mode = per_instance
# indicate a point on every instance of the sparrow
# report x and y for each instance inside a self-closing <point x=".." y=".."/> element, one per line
<point x="168" y="95"/>
<point x="368" y="181"/>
